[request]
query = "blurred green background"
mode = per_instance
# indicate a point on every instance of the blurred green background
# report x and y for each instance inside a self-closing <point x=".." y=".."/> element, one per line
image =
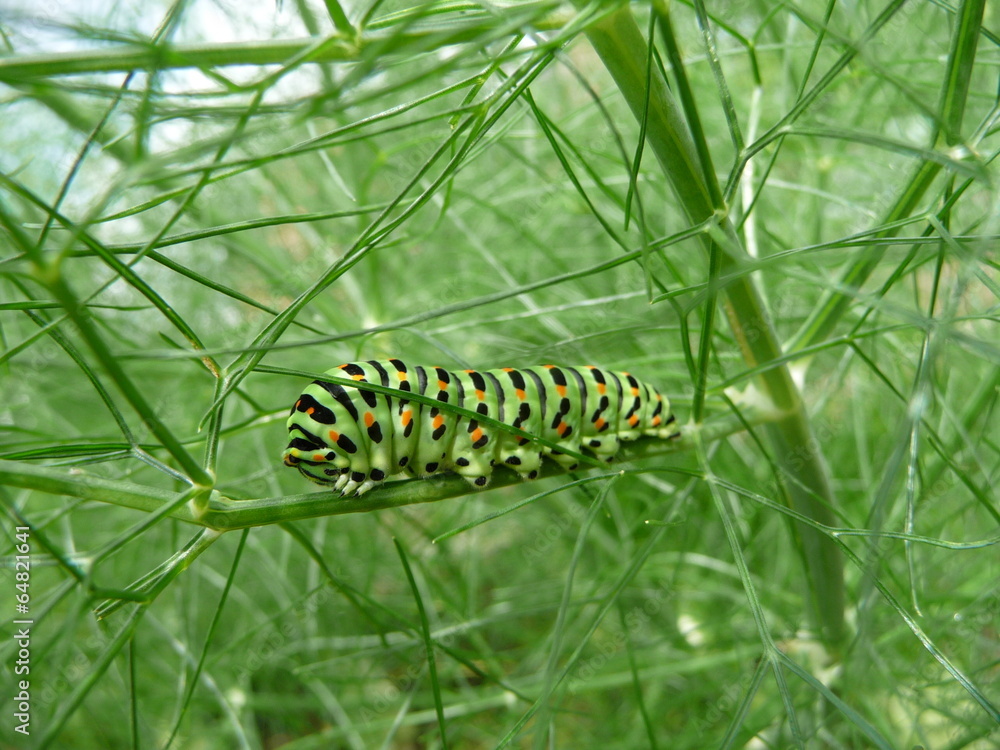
<point x="198" y="196"/>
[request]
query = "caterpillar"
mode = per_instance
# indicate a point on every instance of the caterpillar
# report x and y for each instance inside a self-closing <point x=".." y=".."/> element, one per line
<point x="355" y="439"/>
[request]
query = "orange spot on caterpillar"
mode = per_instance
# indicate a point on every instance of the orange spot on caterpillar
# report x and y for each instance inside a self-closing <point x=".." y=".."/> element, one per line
<point x="403" y="375"/>
<point x="481" y="395"/>
<point x="600" y="423"/>
<point x="310" y="410"/>
<point x="442" y="385"/>
<point x="520" y="394"/>
<point x="561" y="390"/>
<point x="334" y="436"/>
<point x="476" y="434"/>
<point x="562" y="429"/>
<point x="342" y="367"/>
<point x="549" y="367"/>
<point x="406" y="417"/>
<point x="635" y="391"/>
<point x="601" y="388"/>
<point x="438" y="421"/>
<point x="318" y="457"/>
<point x="508" y="369"/>
<point x="633" y="420"/>
<point x="357" y="377"/>
<point x="656" y="421"/>
<point x="369" y="419"/>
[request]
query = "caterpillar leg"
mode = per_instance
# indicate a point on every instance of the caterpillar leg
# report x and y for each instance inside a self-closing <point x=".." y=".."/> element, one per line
<point x="666" y="429"/>
<point x="477" y="482"/>
<point x="357" y="483"/>
<point x="365" y="486"/>
<point x="475" y="468"/>
<point x="342" y="480"/>
<point x="564" y="460"/>
<point x="524" y="458"/>
<point x="604" y="447"/>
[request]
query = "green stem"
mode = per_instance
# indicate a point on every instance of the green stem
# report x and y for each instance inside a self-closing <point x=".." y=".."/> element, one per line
<point x="334" y="48"/>
<point x="225" y="513"/>
<point x="831" y="309"/>
<point x="621" y="47"/>
<point x="48" y="273"/>
<point x="954" y="94"/>
<point x="136" y="57"/>
<point x="58" y="481"/>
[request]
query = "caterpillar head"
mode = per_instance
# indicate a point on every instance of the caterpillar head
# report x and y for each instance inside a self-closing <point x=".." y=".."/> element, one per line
<point x="323" y="465"/>
<point x="315" y="447"/>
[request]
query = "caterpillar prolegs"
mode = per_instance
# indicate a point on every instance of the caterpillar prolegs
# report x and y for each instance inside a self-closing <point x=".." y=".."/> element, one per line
<point x="354" y="439"/>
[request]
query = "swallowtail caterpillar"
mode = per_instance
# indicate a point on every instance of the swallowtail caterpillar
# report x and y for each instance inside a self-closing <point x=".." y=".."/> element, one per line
<point x="355" y="439"/>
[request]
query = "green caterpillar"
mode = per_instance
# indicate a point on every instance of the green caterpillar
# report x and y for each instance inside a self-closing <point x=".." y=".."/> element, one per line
<point x="354" y="439"/>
